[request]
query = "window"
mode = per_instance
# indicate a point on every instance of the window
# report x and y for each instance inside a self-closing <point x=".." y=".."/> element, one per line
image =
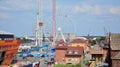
<point x="70" y="52"/>
<point x="60" y="45"/>
<point x="76" y="59"/>
<point x="63" y="59"/>
<point x="0" y="55"/>
<point x="72" y="59"/>
<point x="69" y="59"/>
<point x="76" y="52"/>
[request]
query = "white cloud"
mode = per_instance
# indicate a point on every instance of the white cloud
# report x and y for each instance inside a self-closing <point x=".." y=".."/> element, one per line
<point x="96" y="9"/>
<point x="25" y="4"/>
<point x="16" y="5"/>
<point x="4" y="16"/>
<point x="115" y="10"/>
<point x="84" y="8"/>
<point x="4" y="8"/>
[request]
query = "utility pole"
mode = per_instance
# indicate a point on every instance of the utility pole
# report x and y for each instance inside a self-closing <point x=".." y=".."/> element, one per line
<point x="109" y="52"/>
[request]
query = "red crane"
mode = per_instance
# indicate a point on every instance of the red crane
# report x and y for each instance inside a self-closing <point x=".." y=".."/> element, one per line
<point x="54" y="21"/>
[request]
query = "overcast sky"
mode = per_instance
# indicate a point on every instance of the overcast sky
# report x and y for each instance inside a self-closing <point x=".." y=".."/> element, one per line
<point x="81" y="17"/>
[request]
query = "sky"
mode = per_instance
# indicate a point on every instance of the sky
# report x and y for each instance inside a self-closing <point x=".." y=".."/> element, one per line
<point x="80" y="17"/>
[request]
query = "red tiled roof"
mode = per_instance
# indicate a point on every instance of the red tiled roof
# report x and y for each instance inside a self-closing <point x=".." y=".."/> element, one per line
<point x="97" y="52"/>
<point x="61" y="47"/>
<point x="78" y="40"/>
<point x="61" y="41"/>
<point x="73" y="49"/>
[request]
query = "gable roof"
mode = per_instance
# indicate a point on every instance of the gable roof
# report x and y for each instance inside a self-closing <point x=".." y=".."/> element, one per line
<point x="63" y="47"/>
<point x="97" y="52"/>
<point x="73" y="49"/>
<point x="116" y="56"/>
<point x="115" y="41"/>
<point x="78" y="40"/>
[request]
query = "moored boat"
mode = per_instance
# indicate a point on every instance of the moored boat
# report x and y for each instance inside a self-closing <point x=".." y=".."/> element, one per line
<point x="8" y="48"/>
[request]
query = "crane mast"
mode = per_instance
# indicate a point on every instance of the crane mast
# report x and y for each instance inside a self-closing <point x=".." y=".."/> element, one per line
<point x="39" y="25"/>
<point x="54" y="21"/>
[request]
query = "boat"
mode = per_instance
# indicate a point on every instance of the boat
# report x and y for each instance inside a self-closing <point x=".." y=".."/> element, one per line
<point x="8" y="48"/>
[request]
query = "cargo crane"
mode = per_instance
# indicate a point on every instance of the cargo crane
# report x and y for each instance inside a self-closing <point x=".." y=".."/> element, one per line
<point x="39" y="25"/>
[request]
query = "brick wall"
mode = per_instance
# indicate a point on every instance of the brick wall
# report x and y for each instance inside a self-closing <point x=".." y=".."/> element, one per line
<point x="114" y="52"/>
<point x="116" y="63"/>
<point x="60" y="56"/>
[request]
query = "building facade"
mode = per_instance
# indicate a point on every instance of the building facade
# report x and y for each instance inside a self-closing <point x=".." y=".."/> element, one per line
<point x="68" y="54"/>
<point x="80" y="42"/>
<point x="115" y="50"/>
<point x="97" y="55"/>
<point x="73" y="55"/>
<point x="60" y="54"/>
<point x="8" y="48"/>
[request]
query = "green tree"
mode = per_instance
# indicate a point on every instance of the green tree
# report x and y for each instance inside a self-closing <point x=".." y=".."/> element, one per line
<point x="68" y="65"/>
<point x="24" y="40"/>
<point x="102" y="38"/>
<point x="78" y="65"/>
<point x="93" y="42"/>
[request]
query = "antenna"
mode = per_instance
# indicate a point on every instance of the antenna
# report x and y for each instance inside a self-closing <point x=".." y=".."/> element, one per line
<point x="105" y="31"/>
<point x="40" y="10"/>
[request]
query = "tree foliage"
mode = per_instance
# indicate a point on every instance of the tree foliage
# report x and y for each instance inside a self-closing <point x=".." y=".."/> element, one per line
<point x="93" y="42"/>
<point x="68" y="65"/>
<point x="24" y="40"/>
<point x="98" y="40"/>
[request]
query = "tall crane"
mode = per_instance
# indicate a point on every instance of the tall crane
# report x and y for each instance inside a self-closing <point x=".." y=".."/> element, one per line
<point x="54" y="21"/>
<point x="39" y="25"/>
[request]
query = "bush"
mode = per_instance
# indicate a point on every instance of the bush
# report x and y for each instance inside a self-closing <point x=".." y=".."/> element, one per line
<point x="68" y="65"/>
<point x="78" y="65"/>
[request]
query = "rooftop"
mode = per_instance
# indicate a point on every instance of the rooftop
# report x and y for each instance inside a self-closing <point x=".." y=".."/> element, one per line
<point x="97" y="52"/>
<point x="3" y="32"/>
<point x="116" y="56"/>
<point x="61" y="47"/>
<point x="78" y="40"/>
<point x="115" y="41"/>
<point x="74" y="51"/>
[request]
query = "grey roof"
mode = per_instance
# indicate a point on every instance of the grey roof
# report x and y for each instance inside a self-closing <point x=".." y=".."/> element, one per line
<point x="115" y="41"/>
<point x="3" y="32"/>
<point x="116" y="56"/>
<point x="96" y="47"/>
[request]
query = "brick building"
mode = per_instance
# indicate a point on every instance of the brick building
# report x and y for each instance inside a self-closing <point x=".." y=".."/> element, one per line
<point x="115" y="50"/>
<point x="97" y="55"/>
<point x="74" y="55"/>
<point x="60" y="54"/>
<point x="68" y="54"/>
<point x="80" y="42"/>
